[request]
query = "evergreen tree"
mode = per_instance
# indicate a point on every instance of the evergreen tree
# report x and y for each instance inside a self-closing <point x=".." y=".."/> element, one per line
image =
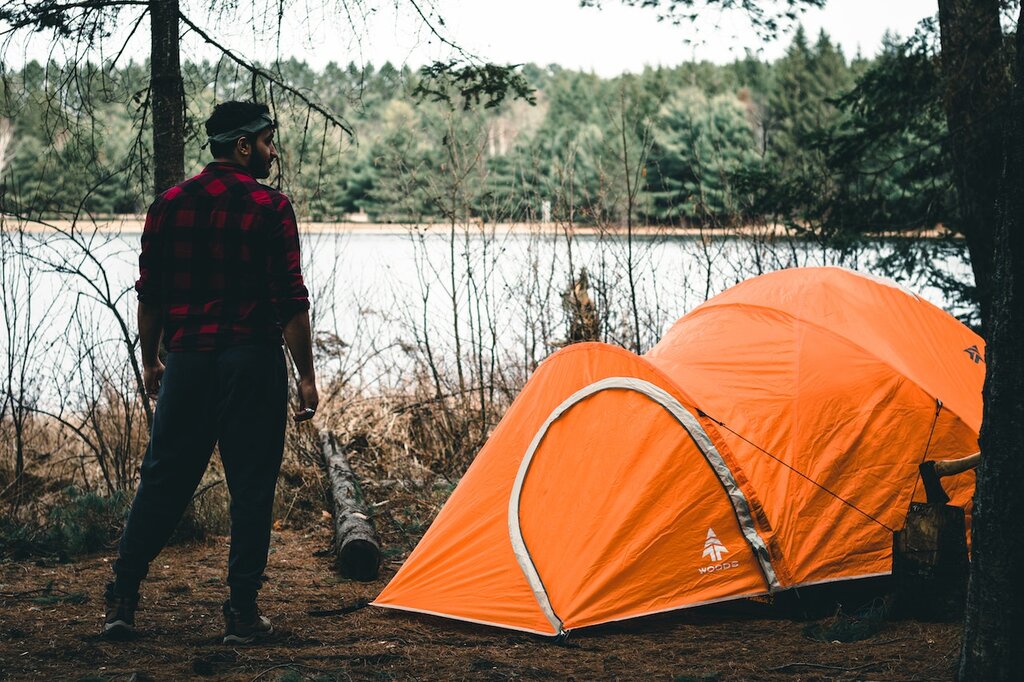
<point x="701" y="145"/>
<point x="795" y="182"/>
<point x="402" y="162"/>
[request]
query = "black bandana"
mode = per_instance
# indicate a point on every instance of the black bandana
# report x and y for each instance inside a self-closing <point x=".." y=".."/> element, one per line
<point x="255" y="125"/>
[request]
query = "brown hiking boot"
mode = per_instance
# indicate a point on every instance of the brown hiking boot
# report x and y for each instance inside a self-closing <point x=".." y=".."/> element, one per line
<point x="242" y="626"/>
<point x="120" y="615"/>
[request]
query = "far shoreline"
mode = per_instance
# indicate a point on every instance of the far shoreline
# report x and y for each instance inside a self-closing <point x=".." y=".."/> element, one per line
<point x="133" y="224"/>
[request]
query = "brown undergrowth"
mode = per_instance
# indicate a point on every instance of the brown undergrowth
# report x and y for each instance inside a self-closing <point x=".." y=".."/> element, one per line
<point x="408" y="450"/>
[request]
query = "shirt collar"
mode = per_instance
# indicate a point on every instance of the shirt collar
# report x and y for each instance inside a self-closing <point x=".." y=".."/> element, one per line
<point x="226" y="167"/>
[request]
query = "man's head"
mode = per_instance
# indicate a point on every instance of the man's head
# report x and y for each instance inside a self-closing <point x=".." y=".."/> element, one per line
<point x="243" y="133"/>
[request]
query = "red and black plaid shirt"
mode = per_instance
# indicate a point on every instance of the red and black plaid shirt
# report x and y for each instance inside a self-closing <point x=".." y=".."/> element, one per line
<point x="220" y="256"/>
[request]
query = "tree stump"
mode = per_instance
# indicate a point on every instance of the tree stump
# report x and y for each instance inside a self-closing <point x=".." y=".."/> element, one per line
<point x="930" y="563"/>
<point x="357" y="551"/>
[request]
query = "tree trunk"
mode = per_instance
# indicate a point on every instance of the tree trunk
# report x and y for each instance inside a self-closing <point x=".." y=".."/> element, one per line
<point x="167" y="96"/>
<point x="993" y="646"/>
<point x="976" y="89"/>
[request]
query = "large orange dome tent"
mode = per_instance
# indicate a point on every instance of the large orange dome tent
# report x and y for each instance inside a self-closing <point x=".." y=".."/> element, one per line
<point x="770" y="440"/>
<point x="830" y="388"/>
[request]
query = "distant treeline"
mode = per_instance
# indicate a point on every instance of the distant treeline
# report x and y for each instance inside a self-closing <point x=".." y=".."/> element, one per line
<point x="813" y="140"/>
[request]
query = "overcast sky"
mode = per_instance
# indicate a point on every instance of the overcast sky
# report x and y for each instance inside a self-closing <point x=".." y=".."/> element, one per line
<point x="608" y="41"/>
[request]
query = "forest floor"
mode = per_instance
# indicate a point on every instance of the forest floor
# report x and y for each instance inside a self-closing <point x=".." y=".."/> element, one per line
<point x="50" y="616"/>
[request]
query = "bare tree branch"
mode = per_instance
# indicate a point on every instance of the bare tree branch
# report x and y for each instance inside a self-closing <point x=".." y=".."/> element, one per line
<point x="258" y="72"/>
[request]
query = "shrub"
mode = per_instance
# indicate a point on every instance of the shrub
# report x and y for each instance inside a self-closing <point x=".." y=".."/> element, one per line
<point x="84" y="522"/>
<point x="79" y="522"/>
<point x="19" y="540"/>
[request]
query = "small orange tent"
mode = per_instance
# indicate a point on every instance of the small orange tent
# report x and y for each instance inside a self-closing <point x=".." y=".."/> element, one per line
<point x="770" y="440"/>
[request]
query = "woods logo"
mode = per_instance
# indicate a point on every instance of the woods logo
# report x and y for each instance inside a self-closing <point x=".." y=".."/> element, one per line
<point x="713" y="550"/>
<point x="713" y="547"/>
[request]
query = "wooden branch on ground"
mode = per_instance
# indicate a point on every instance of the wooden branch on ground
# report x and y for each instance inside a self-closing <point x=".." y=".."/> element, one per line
<point x="855" y="668"/>
<point x="344" y="610"/>
<point x="355" y="541"/>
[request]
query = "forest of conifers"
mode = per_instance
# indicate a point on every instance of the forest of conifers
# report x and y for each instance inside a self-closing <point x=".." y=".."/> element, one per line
<point x="813" y="140"/>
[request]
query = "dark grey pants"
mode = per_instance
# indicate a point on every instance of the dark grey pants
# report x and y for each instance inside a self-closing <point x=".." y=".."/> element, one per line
<point x="235" y="398"/>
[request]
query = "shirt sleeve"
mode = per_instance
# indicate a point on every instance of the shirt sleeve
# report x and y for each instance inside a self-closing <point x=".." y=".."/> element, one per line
<point x="288" y="293"/>
<point x="148" y="286"/>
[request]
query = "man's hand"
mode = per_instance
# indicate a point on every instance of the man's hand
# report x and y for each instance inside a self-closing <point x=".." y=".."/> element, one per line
<point x="151" y="377"/>
<point x="298" y="338"/>
<point x="309" y="399"/>
<point x="150" y="330"/>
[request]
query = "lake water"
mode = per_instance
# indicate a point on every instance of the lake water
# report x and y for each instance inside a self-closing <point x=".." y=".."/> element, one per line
<point x="385" y="306"/>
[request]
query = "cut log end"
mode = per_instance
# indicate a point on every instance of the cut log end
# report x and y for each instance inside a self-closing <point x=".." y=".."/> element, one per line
<point x="359" y="560"/>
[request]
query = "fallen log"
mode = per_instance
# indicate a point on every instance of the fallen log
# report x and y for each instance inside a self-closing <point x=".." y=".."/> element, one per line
<point x="357" y="551"/>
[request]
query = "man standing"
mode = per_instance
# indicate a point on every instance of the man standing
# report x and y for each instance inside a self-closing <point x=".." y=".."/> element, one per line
<point x="220" y="283"/>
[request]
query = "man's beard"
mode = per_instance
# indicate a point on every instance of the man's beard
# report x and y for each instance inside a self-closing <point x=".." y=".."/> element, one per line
<point x="259" y="166"/>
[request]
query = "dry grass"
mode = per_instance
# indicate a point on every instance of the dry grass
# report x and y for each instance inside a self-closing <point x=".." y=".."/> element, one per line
<point x="408" y="452"/>
<point x="408" y="449"/>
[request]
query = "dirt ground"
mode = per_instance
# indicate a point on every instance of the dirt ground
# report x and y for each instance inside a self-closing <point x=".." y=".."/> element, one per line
<point x="50" y="615"/>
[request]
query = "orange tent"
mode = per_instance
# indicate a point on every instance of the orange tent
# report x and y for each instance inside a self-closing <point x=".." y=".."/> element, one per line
<point x="770" y="440"/>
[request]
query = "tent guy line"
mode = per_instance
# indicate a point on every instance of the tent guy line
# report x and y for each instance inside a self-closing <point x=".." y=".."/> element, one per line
<point x="799" y="473"/>
<point x="928" y="445"/>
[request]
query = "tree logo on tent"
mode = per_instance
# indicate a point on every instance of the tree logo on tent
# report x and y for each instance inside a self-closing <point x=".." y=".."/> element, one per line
<point x="713" y="547"/>
<point x="975" y="354"/>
